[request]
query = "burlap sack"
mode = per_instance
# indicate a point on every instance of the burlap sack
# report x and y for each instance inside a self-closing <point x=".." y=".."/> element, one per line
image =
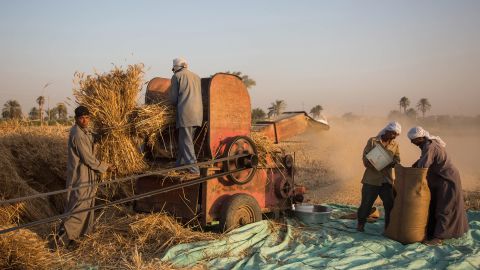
<point x="409" y="216"/>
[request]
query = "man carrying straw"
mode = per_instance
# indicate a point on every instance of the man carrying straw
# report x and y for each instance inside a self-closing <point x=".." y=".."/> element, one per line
<point x="82" y="170"/>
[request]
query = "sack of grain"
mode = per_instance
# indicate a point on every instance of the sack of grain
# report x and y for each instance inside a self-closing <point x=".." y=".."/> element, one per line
<point x="409" y="216"/>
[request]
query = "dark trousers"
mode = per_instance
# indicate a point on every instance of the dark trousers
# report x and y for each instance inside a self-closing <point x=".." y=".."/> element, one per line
<point x="369" y="195"/>
<point x="186" y="151"/>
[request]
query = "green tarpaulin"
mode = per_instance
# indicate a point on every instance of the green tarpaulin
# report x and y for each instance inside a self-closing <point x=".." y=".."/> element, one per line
<point x="333" y="245"/>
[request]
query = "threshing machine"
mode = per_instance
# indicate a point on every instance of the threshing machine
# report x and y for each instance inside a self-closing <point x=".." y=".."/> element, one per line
<point x="233" y="199"/>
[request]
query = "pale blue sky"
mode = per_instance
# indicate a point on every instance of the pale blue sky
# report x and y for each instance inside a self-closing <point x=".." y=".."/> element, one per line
<point x="358" y="56"/>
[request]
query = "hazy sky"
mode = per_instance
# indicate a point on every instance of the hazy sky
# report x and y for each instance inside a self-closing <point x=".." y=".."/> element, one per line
<point x="358" y="56"/>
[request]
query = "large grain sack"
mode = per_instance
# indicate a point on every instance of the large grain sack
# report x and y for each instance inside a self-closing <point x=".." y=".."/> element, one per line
<point x="409" y="216"/>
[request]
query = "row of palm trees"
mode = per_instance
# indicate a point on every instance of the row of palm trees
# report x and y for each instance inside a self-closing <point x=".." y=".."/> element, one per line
<point x="277" y="108"/>
<point x="12" y="110"/>
<point x="423" y="105"/>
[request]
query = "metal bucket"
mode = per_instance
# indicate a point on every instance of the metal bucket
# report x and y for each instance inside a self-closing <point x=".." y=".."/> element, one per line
<point x="379" y="157"/>
<point x="312" y="213"/>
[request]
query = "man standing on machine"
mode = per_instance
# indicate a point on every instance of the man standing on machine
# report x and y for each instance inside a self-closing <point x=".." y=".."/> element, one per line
<point x="186" y="96"/>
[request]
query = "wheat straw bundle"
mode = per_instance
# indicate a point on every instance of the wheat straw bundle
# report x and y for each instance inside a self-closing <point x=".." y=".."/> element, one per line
<point x="111" y="98"/>
<point x="148" y="121"/>
<point x="265" y="147"/>
<point x="24" y="249"/>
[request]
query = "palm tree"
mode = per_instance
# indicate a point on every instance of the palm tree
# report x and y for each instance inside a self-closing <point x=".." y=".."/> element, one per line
<point x="62" y="111"/>
<point x="12" y="110"/>
<point x="258" y="114"/>
<point x="248" y="82"/>
<point x="423" y="105"/>
<point x="276" y="108"/>
<point x="41" y="102"/>
<point x="404" y="103"/>
<point x="34" y="113"/>
<point x="316" y="111"/>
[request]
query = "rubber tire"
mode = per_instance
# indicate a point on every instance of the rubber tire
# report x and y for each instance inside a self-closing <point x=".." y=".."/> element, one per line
<point x="235" y="203"/>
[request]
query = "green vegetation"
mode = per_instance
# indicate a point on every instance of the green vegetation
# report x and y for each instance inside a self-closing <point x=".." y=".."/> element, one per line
<point x="258" y="115"/>
<point x="316" y="111"/>
<point x="276" y="108"/>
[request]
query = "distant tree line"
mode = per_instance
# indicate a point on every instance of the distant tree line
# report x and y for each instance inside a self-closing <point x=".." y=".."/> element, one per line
<point x="12" y="110"/>
<point x="277" y="108"/>
<point x="423" y="105"/>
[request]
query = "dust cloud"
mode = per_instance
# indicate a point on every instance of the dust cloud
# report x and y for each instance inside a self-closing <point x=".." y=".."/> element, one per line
<point x="337" y="153"/>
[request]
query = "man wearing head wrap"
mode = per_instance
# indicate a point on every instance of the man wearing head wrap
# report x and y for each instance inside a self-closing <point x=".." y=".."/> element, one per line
<point x="82" y="170"/>
<point x="186" y="95"/>
<point x="447" y="217"/>
<point x="379" y="183"/>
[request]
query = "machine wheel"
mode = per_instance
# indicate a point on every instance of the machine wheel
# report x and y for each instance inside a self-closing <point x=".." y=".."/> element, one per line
<point x="239" y="210"/>
<point x="240" y="145"/>
<point x="283" y="188"/>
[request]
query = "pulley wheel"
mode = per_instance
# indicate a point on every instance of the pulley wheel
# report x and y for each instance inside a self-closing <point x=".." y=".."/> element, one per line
<point x="283" y="188"/>
<point x="240" y="145"/>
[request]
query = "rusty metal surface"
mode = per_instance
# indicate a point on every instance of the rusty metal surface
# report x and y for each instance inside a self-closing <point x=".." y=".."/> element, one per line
<point x="229" y="112"/>
<point x="262" y="188"/>
<point x="288" y="125"/>
<point x="180" y="203"/>
<point x="157" y="89"/>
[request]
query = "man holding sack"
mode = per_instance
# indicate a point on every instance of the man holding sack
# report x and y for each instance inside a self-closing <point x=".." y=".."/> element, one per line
<point x="447" y="217"/>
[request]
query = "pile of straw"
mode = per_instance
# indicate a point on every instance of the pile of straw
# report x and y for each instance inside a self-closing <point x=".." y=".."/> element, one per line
<point x="139" y="237"/>
<point x="148" y="121"/>
<point x="26" y="168"/>
<point x="111" y="98"/>
<point x="38" y="156"/>
<point x="266" y="149"/>
<point x="24" y="249"/>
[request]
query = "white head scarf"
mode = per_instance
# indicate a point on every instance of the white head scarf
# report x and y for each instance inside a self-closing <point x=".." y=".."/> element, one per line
<point x="392" y="126"/>
<point x="417" y="132"/>
<point x="179" y="63"/>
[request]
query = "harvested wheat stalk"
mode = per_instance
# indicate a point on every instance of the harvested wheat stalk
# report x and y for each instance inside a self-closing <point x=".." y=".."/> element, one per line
<point x="149" y="121"/>
<point x="24" y="249"/>
<point x="111" y="98"/>
<point x="265" y="147"/>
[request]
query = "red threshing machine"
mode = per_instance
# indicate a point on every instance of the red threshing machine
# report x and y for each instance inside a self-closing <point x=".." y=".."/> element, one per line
<point x="233" y="199"/>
